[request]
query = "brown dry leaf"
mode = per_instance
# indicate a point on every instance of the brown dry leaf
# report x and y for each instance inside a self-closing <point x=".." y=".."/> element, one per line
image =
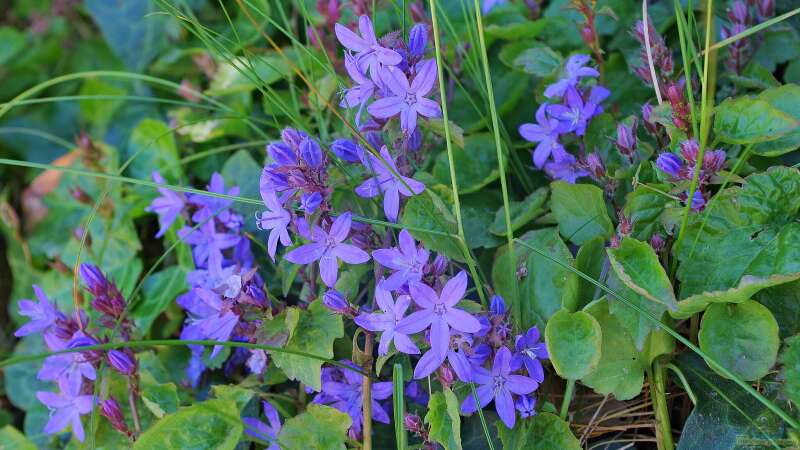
<point x="32" y="205"/>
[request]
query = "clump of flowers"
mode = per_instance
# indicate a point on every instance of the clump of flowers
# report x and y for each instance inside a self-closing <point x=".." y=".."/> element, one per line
<point x="573" y="108"/>
<point x="680" y="170"/>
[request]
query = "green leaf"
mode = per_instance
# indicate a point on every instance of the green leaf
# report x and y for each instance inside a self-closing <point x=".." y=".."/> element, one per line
<point x="540" y="61"/>
<point x="10" y="438"/>
<point x="784" y="303"/>
<point x="742" y="337"/>
<point x="573" y="342"/>
<point x="212" y="424"/>
<point x="21" y="383"/>
<point x="318" y="428"/>
<point x="782" y="98"/>
<point x="590" y="261"/>
<point x="476" y="165"/>
<point x="790" y="358"/>
<point x="428" y="212"/>
<point x="621" y="368"/>
<point x="637" y="265"/>
<point x="545" y="287"/>
<point x="154" y="144"/>
<point x="477" y="213"/>
<point x="750" y="240"/>
<point x="99" y="112"/>
<point x="159" y="398"/>
<point x="521" y="213"/>
<point x="241" y="396"/>
<point x="436" y="125"/>
<point x="637" y="325"/>
<point x="315" y="332"/>
<point x="747" y="120"/>
<point x="13" y="41"/>
<point x="444" y="419"/>
<point x="580" y="210"/>
<point x="158" y="292"/>
<point x="644" y="207"/>
<point x="725" y="416"/>
<point x="544" y="431"/>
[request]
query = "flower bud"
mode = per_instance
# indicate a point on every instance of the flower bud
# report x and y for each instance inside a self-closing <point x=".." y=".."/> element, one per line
<point x="439" y="266"/>
<point x="657" y="242"/>
<point x="311" y="152"/>
<point x="647" y="113"/>
<point x="413" y="423"/>
<point x="698" y="201"/>
<point x="738" y="13"/>
<point x="282" y="154"/>
<point x="292" y="137"/>
<point x="497" y="307"/>
<point x="414" y="140"/>
<point x="766" y="8"/>
<point x="121" y="361"/>
<point x="595" y="166"/>
<point x="587" y="34"/>
<point x="417" y="40"/>
<point x="346" y="149"/>
<point x="111" y="410"/>
<point x="713" y="161"/>
<point x="626" y="139"/>
<point x="669" y="163"/>
<point x="336" y="302"/>
<point x="310" y="202"/>
<point x="689" y="150"/>
<point x="446" y="375"/>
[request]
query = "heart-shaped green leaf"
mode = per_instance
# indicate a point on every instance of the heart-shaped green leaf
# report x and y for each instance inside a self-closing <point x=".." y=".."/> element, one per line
<point x="573" y="342"/>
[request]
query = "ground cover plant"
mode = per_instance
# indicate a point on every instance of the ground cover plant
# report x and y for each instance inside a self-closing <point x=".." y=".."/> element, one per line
<point x="405" y="224"/>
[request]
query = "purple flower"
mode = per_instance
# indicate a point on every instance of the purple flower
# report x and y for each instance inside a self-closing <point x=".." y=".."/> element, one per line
<point x="168" y="206"/>
<point x="208" y="317"/>
<point x="328" y="248"/>
<point x="257" y="361"/>
<point x="626" y="139"/>
<point x="670" y="164"/>
<point x="71" y="368"/>
<point x="698" y="202"/>
<point x="575" y="115"/>
<point x="207" y="243"/>
<point x="387" y="183"/>
<point x="276" y="220"/>
<point x="497" y="306"/>
<point x="488" y="5"/>
<point x="416" y="393"/>
<point x="212" y="204"/>
<point x="545" y="133"/>
<point x="311" y="152"/>
<point x="386" y="321"/>
<point x="66" y="408"/>
<point x="529" y="353"/>
<point x="260" y="430"/>
<point x="574" y="71"/>
<point x="43" y="315"/>
<point x="417" y="40"/>
<point x="526" y="405"/>
<point x="121" y="361"/>
<point x="498" y="385"/>
<point x="358" y="95"/>
<point x="565" y="167"/>
<point x="439" y="313"/>
<point x="408" y="261"/>
<point x="336" y="302"/>
<point x="455" y="355"/>
<point x="310" y="201"/>
<point x="406" y="99"/>
<point x="111" y="410"/>
<point x="369" y="53"/>
<point x="344" y="393"/>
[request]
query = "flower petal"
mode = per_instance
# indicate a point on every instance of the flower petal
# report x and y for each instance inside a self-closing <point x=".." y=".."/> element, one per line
<point x="350" y="39"/>
<point x="462" y="320"/>
<point x="429" y="362"/>
<point x="453" y="291"/>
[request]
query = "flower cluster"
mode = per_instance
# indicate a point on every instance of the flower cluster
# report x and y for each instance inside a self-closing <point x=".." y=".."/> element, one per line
<point x="225" y="285"/>
<point x="662" y="56"/>
<point x="681" y="170"/>
<point x="75" y="372"/>
<point x="390" y="72"/>
<point x="573" y="110"/>
<point x="740" y="19"/>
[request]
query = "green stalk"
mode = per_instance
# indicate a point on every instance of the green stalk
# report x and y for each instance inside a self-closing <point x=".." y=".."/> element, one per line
<point x="516" y="306"/>
<point x="657" y="376"/>
<point x="480" y="416"/>
<point x="399" y="410"/>
<point x="454" y="182"/>
<point x="568" y="393"/>
<point x="685" y="39"/>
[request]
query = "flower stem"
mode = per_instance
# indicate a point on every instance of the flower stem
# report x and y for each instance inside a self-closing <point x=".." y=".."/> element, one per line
<point x="133" y="388"/>
<point x="567" y="399"/>
<point x="657" y="375"/>
<point x="366" y="394"/>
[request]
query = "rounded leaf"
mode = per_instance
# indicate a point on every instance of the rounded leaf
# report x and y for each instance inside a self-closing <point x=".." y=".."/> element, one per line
<point x="743" y="338"/>
<point x="574" y="341"/>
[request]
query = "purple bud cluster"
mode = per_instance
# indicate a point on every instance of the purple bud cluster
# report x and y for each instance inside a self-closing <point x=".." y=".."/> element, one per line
<point x="662" y="56"/>
<point x="75" y="372"/>
<point x="573" y="110"/>
<point x="680" y="169"/>
<point x="740" y="18"/>
<point x="225" y="286"/>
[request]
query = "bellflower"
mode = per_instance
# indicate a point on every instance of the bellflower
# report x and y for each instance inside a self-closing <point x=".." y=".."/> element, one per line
<point x="575" y="115"/>
<point x="393" y="313"/>
<point x="209" y="205"/>
<point x="669" y="163"/>
<point x="529" y="353"/>
<point x="344" y="393"/>
<point x="254" y="427"/>
<point x="168" y="206"/>
<point x="439" y="313"/>
<point x="526" y="405"/>
<point x="347" y="150"/>
<point x="207" y="243"/>
<point x="73" y="367"/>
<point x="276" y="220"/>
<point x="455" y="355"/>
<point x="406" y="99"/>
<point x="565" y="167"/>
<point x="574" y="70"/>
<point x="387" y="183"/>
<point x="43" y="315"/>
<point x="498" y="385"/>
<point x="329" y="248"/>
<point x="66" y="409"/>
<point x="369" y="53"/>
<point x="408" y="261"/>
<point x="361" y="92"/>
<point x="417" y="41"/>
<point x="545" y="132"/>
<point x="208" y="317"/>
